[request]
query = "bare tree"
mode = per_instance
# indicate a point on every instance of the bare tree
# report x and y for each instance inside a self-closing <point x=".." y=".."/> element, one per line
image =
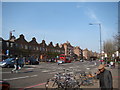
<point x="117" y="41"/>
<point x="109" y="47"/>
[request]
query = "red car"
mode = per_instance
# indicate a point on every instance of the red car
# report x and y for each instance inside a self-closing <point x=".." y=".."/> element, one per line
<point x="101" y="60"/>
<point x="64" y="58"/>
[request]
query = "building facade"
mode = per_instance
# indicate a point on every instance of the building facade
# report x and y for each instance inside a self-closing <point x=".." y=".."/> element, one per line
<point x="86" y="54"/>
<point x="23" y="48"/>
<point x="78" y="51"/>
<point x="69" y="49"/>
<point x="89" y="55"/>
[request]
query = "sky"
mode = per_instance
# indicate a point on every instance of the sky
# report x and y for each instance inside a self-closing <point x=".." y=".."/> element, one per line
<point x="61" y="21"/>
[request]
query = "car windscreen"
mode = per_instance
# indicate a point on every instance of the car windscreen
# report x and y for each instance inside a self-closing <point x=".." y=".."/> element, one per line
<point x="9" y="59"/>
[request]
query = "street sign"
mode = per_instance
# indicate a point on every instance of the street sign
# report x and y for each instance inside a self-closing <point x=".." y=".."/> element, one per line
<point x="7" y="52"/>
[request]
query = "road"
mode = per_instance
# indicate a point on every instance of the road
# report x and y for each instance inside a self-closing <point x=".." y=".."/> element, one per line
<point x="35" y="76"/>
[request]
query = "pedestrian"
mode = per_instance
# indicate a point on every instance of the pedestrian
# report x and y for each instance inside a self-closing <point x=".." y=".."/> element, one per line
<point x="16" y="65"/>
<point x="105" y="78"/>
<point x="95" y="63"/>
<point x="112" y="64"/>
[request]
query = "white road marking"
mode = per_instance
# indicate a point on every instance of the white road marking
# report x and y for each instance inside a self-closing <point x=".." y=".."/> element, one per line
<point x="53" y="72"/>
<point x="29" y="68"/>
<point x="5" y="72"/>
<point x="88" y="68"/>
<point x="46" y="71"/>
<point x="19" y="78"/>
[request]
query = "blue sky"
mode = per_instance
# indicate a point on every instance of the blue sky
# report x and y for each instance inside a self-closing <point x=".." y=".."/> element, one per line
<point x="61" y="21"/>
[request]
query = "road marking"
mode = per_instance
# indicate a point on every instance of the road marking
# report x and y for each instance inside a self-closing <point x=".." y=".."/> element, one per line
<point x="35" y="85"/>
<point x="88" y="68"/>
<point x="29" y="68"/>
<point x="5" y="72"/>
<point x="19" y="78"/>
<point x="46" y="71"/>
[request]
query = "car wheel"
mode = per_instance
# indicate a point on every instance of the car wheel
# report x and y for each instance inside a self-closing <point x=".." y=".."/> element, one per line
<point x="8" y="66"/>
<point x="37" y="63"/>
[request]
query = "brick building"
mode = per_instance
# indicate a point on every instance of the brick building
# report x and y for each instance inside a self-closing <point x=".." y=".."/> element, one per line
<point x="23" y="48"/>
<point x="78" y="51"/>
<point x="69" y="49"/>
<point x="89" y="55"/>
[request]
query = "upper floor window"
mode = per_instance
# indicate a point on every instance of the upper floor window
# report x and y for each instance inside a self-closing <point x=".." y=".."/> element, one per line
<point x="40" y="48"/>
<point x="37" y="48"/>
<point x="26" y="47"/>
<point x="7" y="44"/>
<point x="30" y="47"/>
<point x="43" y="49"/>
<point x="21" y="46"/>
<point x="34" y="48"/>
<point x="11" y="44"/>
<point x="46" y="49"/>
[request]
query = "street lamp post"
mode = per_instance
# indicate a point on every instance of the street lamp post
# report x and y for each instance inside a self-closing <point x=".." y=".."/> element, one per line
<point x="100" y="35"/>
<point x="11" y="33"/>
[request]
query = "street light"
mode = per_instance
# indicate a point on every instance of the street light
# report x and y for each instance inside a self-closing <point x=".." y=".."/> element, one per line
<point x="11" y="33"/>
<point x="100" y="35"/>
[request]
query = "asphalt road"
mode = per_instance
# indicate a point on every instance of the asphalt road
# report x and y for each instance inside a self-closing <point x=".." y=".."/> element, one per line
<point x="34" y="76"/>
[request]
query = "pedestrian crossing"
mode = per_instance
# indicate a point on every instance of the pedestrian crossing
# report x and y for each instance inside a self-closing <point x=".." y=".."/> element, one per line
<point x="72" y="67"/>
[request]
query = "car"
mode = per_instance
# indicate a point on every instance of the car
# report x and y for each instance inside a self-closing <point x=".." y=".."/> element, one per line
<point x="101" y="60"/>
<point x="81" y="60"/>
<point x="27" y="62"/>
<point x="3" y="57"/>
<point x="34" y="62"/>
<point x="9" y="62"/>
<point x="31" y="61"/>
<point x="60" y="62"/>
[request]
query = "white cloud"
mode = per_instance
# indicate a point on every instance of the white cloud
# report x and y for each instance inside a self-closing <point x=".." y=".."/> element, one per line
<point x="91" y="14"/>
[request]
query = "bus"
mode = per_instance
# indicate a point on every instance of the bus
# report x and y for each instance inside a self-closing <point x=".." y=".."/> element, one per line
<point x="64" y="59"/>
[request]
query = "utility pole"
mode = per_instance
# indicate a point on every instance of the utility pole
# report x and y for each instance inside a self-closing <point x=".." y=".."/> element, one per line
<point x="100" y="36"/>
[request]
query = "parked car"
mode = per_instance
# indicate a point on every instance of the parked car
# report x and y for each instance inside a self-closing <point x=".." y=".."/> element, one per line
<point x="3" y="57"/>
<point x="10" y="63"/>
<point x="101" y="60"/>
<point x="31" y="61"/>
<point x="81" y="60"/>
<point x="27" y="62"/>
<point x="7" y="62"/>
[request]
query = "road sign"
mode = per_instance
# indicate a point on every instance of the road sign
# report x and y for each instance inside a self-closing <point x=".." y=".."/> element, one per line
<point x="7" y="52"/>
